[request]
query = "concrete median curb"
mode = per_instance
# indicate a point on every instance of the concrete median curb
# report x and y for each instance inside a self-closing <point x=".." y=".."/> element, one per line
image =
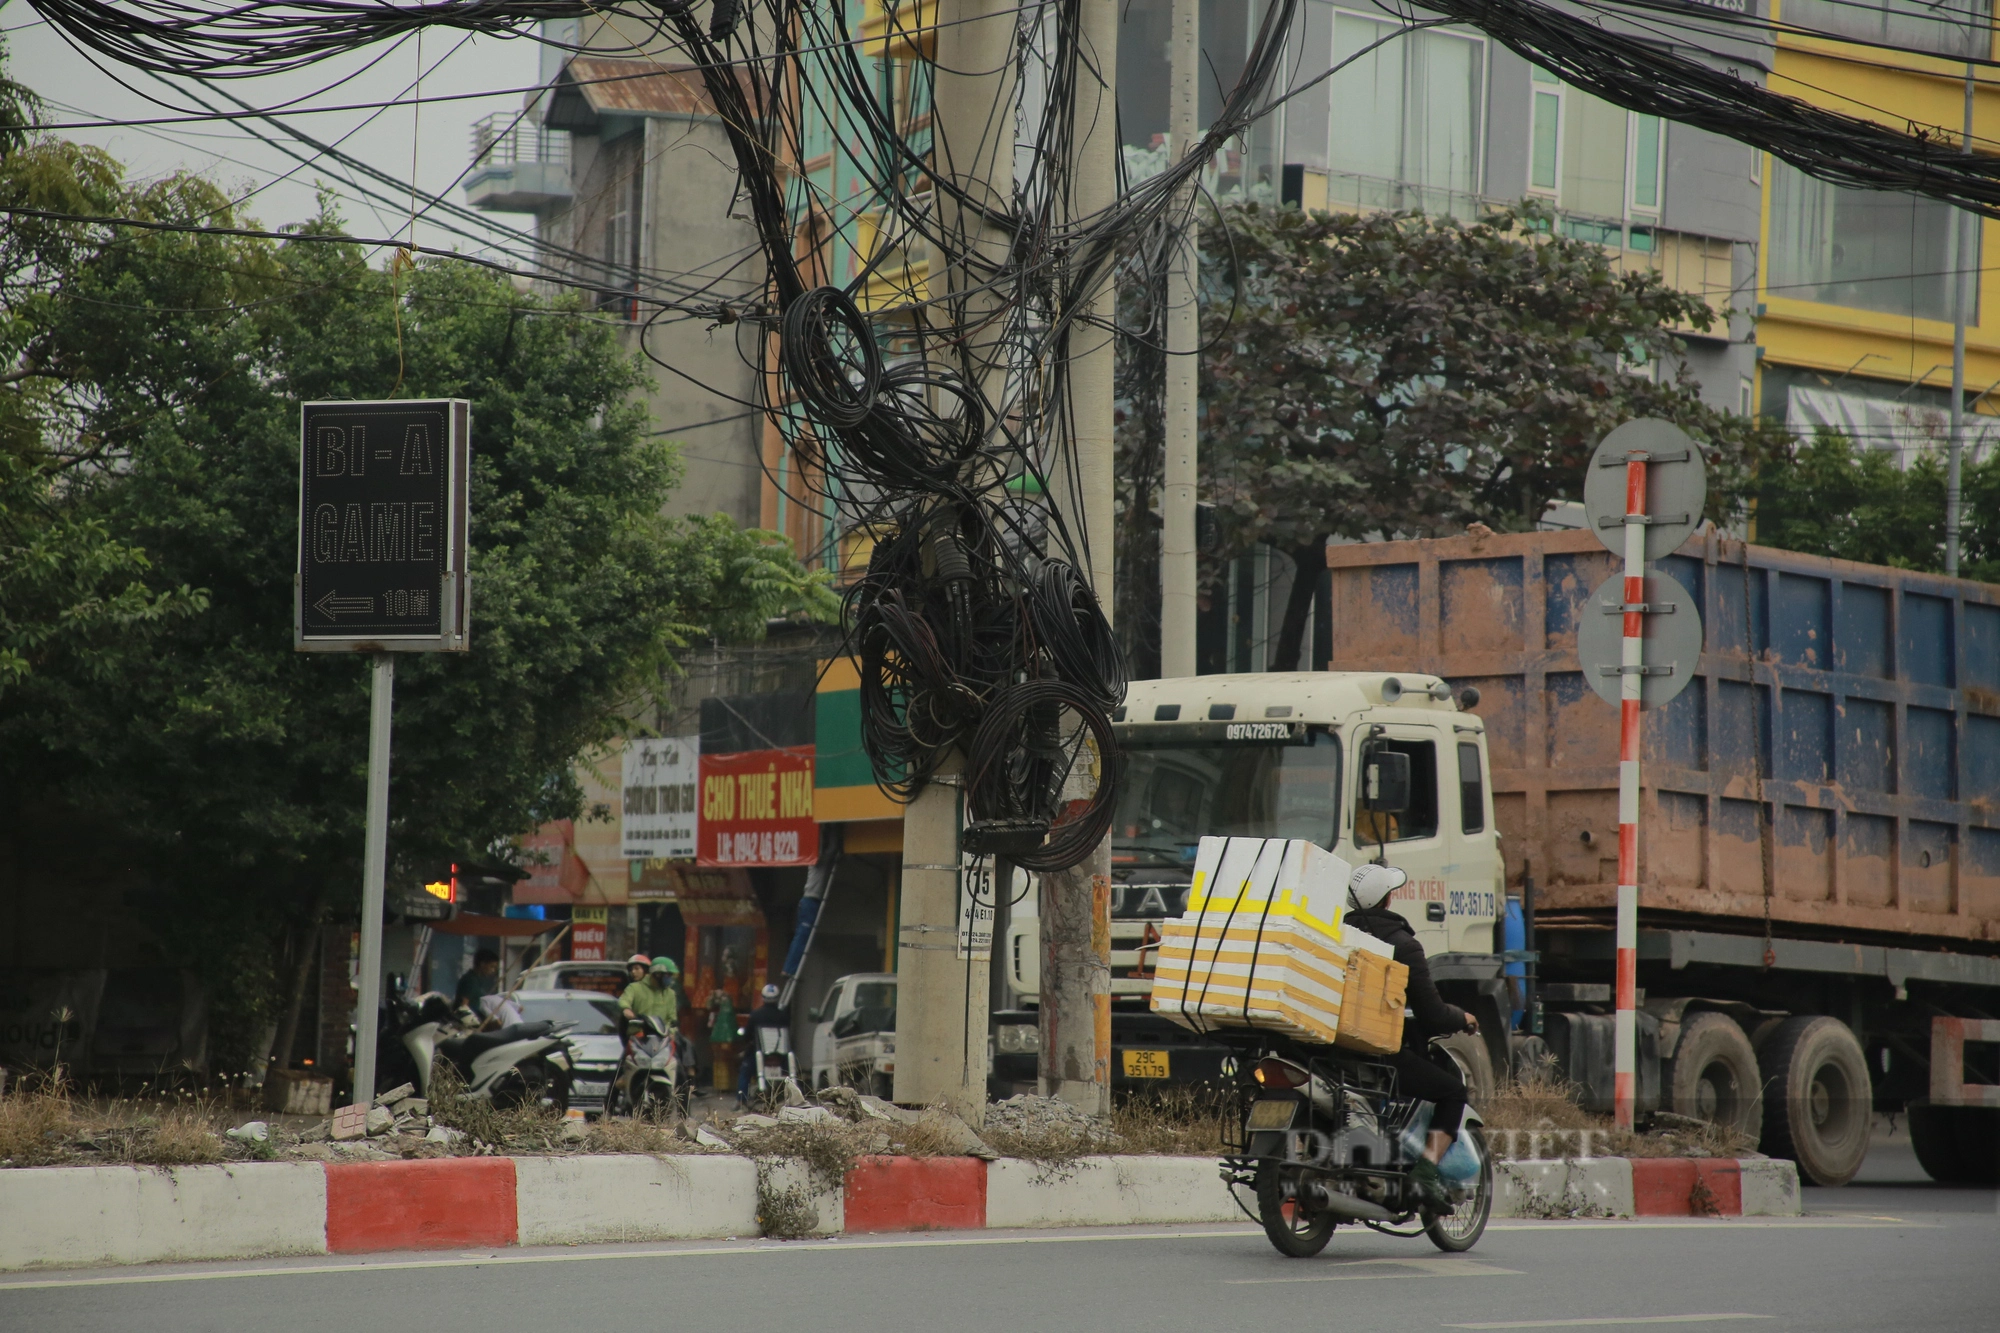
<point x="73" y="1217"/>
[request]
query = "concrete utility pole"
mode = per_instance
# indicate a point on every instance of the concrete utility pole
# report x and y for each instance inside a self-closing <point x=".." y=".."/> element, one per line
<point x="1177" y="527"/>
<point x="1076" y="903"/>
<point x="374" y="869"/>
<point x="1955" y="264"/>
<point x="943" y="1005"/>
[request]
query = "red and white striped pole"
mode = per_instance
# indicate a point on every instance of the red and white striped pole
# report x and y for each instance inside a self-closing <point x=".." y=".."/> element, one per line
<point x="1630" y="678"/>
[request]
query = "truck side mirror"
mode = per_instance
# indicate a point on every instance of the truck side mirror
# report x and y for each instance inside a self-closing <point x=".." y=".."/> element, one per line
<point x="813" y="1014"/>
<point x="1385" y="782"/>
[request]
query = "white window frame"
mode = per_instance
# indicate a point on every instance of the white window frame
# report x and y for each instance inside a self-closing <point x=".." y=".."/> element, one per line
<point x="1650" y="212"/>
<point x="1537" y="90"/>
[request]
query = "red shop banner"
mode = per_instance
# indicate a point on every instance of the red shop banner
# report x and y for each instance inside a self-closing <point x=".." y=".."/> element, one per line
<point x="757" y="809"/>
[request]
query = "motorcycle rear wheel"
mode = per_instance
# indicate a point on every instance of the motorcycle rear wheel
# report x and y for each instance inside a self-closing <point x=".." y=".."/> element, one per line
<point x="531" y="1083"/>
<point x="1293" y="1232"/>
<point x="1461" y="1230"/>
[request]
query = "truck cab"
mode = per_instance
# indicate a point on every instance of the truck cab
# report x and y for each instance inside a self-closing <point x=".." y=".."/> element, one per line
<point x="1280" y="755"/>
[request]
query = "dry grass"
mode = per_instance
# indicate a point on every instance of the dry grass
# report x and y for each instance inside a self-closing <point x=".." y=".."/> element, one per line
<point x="1176" y="1122"/>
<point x="38" y="1121"/>
<point x="1539" y="1117"/>
<point x="827" y="1147"/>
<point x="634" y="1136"/>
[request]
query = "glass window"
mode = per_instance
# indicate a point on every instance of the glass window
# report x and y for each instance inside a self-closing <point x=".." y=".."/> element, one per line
<point x="1421" y="819"/>
<point x="1869" y="249"/>
<point x="1405" y="127"/>
<point x="1545" y="162"/>
<point x="1173" y="795"/>
<point x="1471" y="790"/>
<point x="874" y="1010"/>
<point x="1646" y="163"/>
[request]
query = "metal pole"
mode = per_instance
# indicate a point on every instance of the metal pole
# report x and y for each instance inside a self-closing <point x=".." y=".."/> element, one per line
<point x="374" y="862"/>
<point x="1076" y="904"/>
<point x="1177" y="500"/>
<point x="1956" y="265"/>
<point x="1631" y="677"/>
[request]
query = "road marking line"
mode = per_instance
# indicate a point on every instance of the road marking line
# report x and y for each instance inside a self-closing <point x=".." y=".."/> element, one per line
<point x="1411" y="1268"/>
<point x="1616" y="1322"/>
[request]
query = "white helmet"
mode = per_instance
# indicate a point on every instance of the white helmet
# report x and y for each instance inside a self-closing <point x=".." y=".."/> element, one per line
<point x="1371" y="883"/>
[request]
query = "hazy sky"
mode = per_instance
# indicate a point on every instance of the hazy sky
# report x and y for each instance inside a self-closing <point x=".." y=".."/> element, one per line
<point x="280" y="189"/>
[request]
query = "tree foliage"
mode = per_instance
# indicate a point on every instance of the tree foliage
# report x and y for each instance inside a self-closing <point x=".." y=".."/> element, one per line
<point x="1388" y="375"/>
<point x="1827" y="496"/>
<point x="147" y="673"/>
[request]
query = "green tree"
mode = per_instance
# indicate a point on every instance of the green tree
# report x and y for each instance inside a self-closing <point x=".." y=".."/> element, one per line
<point x="1397" y="375"/>
<point x="1826" y="496"/>
<point x="231" y="766"/>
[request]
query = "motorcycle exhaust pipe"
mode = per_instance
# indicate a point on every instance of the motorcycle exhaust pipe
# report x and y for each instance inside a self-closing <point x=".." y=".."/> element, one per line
<point x="1347" y="1207"/>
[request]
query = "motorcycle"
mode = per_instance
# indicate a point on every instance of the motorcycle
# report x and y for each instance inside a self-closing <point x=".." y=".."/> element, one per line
<point x="648" y="1080"/>
<point x="1323" y="1139"/>
<point x="521" y="1064"/>
<point x="773" y="1071"/>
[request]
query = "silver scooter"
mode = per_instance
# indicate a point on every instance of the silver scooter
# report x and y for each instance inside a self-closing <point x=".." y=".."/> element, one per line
<point x="521" y="1064"/>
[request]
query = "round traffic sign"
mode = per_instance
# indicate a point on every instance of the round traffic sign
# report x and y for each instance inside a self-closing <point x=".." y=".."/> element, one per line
<point x="1676" y="485"/>
<point x="1672" y="638"/>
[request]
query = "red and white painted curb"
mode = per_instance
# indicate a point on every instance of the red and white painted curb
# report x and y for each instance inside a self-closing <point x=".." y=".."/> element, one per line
<point x="71" y="1217"/>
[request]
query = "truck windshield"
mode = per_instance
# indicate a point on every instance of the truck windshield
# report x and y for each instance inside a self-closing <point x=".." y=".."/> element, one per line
<point x="1172" y="796"/>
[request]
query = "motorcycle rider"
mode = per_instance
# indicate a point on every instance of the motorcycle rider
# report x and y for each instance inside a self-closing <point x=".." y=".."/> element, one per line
<point x="654" y="996"/>
<point x="1416" y="1075"/>
<point x="636" y="967"/>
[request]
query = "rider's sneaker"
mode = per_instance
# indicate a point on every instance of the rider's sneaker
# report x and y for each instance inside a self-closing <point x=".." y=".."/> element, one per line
<point x="1430" y="1185"/>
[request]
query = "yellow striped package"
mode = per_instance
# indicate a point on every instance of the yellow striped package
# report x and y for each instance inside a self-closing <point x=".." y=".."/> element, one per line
<point x="1260" y="944"/>
<point x="1377" y="988"/>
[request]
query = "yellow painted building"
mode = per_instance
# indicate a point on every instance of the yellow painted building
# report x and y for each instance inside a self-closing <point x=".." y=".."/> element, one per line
<point x="1854" y="290"/>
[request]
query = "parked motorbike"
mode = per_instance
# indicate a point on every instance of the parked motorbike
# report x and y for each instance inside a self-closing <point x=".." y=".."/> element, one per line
<point x="518" y="1065"/>
<point x="773" y="1070"/>
<point x="1324" y="1139"/>
<point x="648" y="1081"/>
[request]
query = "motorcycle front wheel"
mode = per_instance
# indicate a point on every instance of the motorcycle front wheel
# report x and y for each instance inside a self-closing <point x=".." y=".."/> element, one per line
<point x="1294" y="1232"/>
<point x="1461" y="1230"/>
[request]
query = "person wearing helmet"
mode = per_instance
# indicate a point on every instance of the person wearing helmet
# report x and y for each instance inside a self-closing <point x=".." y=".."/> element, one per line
<point x="766" y="1015"/>
<point x="653" y="996"/>
<point x="636" y="966"/>
<point x="1368" y="892"/>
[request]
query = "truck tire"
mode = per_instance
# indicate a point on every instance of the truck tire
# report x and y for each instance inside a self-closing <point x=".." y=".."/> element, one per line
<point x="1532" y="1059"/>
<point x="1957" y="1145"/>
<point x="1714" y="1076"/>
<point x="1819" y="1102"/>
<point x="1475" y="1066"/>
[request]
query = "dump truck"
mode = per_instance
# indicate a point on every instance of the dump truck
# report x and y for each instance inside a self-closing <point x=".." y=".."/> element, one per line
<point x="1819" y="873"/>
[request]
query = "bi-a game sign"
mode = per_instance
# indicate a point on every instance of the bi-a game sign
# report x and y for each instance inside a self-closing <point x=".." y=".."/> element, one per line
<point x="382" y="519"/>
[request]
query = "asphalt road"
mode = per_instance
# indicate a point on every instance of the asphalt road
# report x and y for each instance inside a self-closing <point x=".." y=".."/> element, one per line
<point x="1891" y="1252"/>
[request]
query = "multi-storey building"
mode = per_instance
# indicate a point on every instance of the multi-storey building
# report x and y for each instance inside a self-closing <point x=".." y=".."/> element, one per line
<point x="1855" y="289"/>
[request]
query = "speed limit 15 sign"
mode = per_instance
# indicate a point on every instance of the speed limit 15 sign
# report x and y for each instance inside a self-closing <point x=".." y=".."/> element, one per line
<point x="382" y="517"/>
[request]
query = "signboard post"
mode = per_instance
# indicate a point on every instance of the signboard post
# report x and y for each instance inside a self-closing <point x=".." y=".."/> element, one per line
<point x="382" y="519"/>
<point x="1643" y="494"/>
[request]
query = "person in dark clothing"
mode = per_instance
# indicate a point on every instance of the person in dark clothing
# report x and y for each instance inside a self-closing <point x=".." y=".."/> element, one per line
<point x="480" y="982"/>
<point x="1433" y="1016"/>
<point x="765" y="1015"/>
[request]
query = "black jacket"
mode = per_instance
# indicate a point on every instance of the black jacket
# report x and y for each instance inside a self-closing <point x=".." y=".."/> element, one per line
<point x="1434" y="1016"/>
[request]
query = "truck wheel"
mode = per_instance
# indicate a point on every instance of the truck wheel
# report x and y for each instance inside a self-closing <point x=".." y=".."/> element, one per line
<point x="1532" y="1059"/>
<point x="1933" y="1134"/>
<point x="1956" y="1145"/>
<point x="1475" y="1066"/>
<point x="1818" y="1099"/>
<point x="1714" y="1077"/>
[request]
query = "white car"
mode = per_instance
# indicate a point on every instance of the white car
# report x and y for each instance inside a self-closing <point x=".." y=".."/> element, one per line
<point x="854" y="1033"/>
<point x="594" y="1046"/>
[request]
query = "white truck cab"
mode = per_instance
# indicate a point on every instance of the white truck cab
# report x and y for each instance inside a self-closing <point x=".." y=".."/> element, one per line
<point x="1278" y="754"/>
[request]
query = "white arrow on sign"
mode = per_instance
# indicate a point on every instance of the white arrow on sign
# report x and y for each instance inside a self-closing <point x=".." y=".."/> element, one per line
<point x="333" y="606"/>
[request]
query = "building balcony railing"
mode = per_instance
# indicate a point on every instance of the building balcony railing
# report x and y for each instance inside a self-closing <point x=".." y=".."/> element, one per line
<point x="517" y="165"/>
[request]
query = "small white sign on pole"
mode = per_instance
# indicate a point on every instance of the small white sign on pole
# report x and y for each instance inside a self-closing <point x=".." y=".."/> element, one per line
<point x="661" y="812"/>
<point x="975" y="906"/>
